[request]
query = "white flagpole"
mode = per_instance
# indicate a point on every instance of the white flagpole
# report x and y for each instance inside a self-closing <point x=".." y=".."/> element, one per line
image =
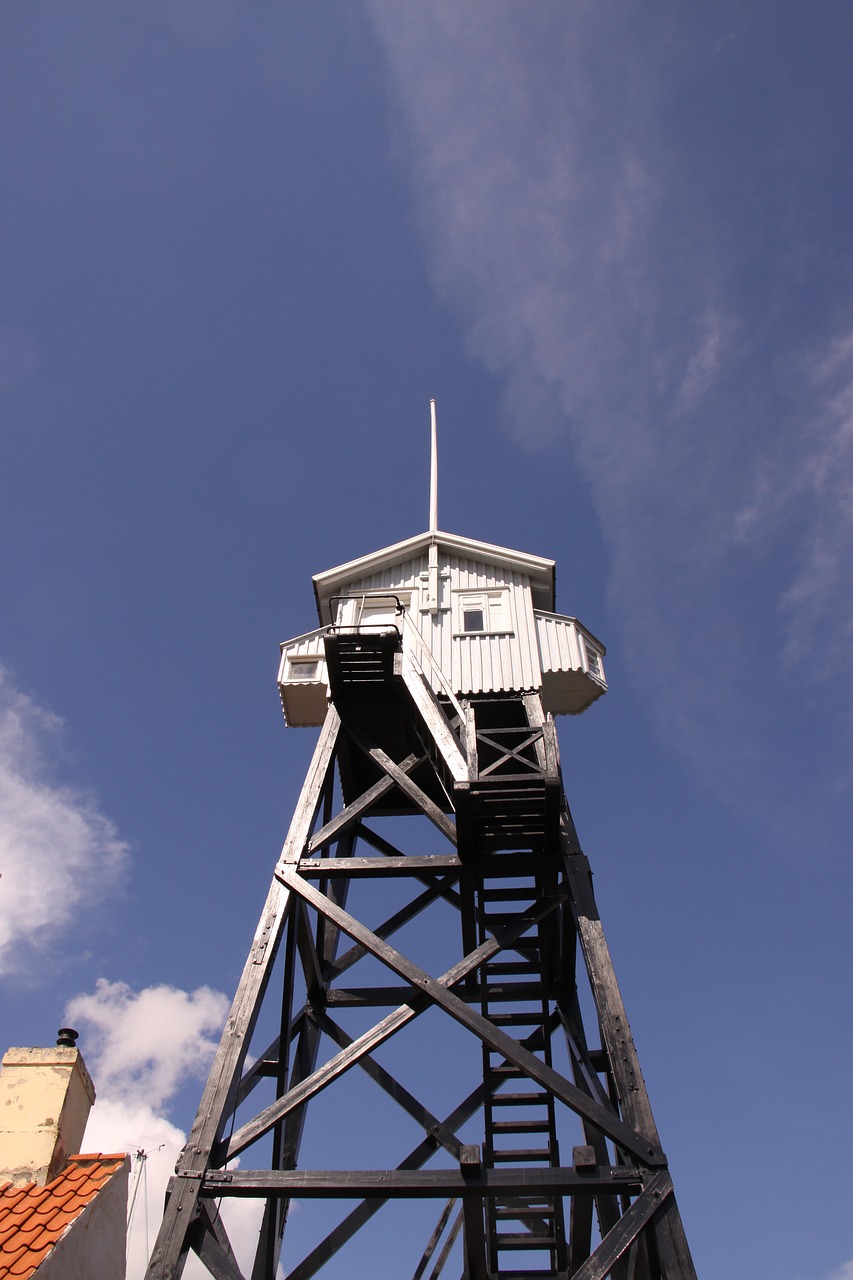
<point x="433" y="471"/>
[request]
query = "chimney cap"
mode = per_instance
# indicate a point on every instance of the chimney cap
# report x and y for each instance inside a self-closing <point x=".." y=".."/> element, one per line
<point x="67" y="1038"/>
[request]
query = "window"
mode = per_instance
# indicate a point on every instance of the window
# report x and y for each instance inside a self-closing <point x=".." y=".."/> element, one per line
<point x="482" y="612"/>
<point x="593" y="661"/>
<point x="303" y="669"/>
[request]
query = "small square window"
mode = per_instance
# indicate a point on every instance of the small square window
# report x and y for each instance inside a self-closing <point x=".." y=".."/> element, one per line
<point x="485" y="612"/>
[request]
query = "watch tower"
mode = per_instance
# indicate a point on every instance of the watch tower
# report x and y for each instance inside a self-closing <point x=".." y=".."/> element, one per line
<point x="432" y="880"/>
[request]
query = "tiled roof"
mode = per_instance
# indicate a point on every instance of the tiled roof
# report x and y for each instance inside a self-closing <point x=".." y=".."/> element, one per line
<point x="33" y="1218"/>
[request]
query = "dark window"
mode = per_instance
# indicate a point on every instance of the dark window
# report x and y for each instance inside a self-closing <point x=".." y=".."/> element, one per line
<point x="472" y="620"/>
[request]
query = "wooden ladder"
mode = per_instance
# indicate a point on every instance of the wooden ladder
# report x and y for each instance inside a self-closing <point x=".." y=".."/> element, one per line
<point x="526" y="1235"/>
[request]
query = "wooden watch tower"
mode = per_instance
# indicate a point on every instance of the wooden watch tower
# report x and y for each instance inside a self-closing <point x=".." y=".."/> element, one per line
<point x="432" y="879"/>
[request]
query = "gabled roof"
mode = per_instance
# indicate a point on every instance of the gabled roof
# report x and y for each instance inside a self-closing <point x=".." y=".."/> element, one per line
<point x="540" y="570"/>
<point x="33" y="1219"/>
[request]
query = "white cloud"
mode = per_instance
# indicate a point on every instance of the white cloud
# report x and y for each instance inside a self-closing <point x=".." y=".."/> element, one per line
<point x="147" y="1043"/>
<point x="143" y="1046"/>
<point x="117" y="1125"/>
<point x="134" y="1128"/>
<point x="57" y="850"/>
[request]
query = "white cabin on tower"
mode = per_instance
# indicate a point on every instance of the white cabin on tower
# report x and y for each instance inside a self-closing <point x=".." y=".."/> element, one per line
<point x="476" y="618"/>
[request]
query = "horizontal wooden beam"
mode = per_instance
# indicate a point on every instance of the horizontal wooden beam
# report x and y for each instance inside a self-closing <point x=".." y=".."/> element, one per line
<point x="376" y="997"/>
<point x="428" y="864"/>
<point x="343" y="1184"/>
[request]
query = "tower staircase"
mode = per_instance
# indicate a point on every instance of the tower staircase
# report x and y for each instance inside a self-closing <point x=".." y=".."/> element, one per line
<point x="361" y="661"/>
<point x="526" y="1234"/>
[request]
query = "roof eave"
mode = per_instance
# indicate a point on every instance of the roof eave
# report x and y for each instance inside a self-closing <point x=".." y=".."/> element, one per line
<point x="539" y="568"/>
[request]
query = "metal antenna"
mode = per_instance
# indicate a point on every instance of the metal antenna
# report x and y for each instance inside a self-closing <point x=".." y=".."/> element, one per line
<point x="433" y="471"/>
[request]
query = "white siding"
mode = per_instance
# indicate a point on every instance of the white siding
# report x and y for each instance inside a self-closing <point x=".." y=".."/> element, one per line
<point x="558" y="643"/>
<point x="308" y="646"/>
<point x="568" y="685"/>
<point x="471" y="663"/>
<point x="534" y="650"/>
<point x="303" y="701"/>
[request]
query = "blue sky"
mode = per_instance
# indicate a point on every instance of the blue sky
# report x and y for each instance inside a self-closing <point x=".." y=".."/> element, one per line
<point x="241" y="248"/>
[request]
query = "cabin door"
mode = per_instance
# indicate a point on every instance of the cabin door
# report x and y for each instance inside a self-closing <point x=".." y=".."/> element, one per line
<point x="373" y="613"/>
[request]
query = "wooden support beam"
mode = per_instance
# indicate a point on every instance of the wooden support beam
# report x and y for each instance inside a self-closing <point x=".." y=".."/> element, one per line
<point x="220" y="1264"/>
<point x="219" y="1096"/>
<point x="471" y="743"/>
<point x="409" y="788"/>
<point x="546" y="749"/>
<point x="432" y="1243"/>
<point x="214" y="1247"/>
<point x="619" y="1239"/>
<point x="418" y="1112"/>
<point x="436" y="721"/>
<point x="406" y="1184"/>
<point x="642" y="1148"/>
<point x="438" y="889"/>
<point x="447" y="1247"/>
<point x="586" y="1078"/>
<point x="431" y="864"/>
<point x="288" y="1134"/>
<point x="314" y="983"/>
<point x="671" y="1241"/>
<point x="389" y="850"/>
<point x="354" y="1221"/>
<point x="472" y="1218"/>
<point x="370" y="1040"/>
<point x="615" y="1031"/>
<point x="580" y="1227"/>
<point x="352" y="812"/>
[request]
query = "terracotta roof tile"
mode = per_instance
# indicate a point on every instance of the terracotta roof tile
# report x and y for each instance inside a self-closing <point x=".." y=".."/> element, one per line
<point x="32" y="1219"/>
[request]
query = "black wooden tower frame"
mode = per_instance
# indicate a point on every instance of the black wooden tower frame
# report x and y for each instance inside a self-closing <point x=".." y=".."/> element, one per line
<point x="486" y="772"/>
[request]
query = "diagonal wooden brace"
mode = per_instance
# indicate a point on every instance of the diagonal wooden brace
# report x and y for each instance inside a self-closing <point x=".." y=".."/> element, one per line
<point x="436" y="991"/>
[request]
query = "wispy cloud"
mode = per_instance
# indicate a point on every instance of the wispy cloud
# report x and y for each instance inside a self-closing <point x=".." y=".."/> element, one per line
<point x="57" y="849"/>
<point x="606" y="281"/>
<point x="844" y="1272"/>
<point x="820" y="597"/>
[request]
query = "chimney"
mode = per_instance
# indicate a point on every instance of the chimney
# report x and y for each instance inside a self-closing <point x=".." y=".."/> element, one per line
<point x="45" y="1099"/>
